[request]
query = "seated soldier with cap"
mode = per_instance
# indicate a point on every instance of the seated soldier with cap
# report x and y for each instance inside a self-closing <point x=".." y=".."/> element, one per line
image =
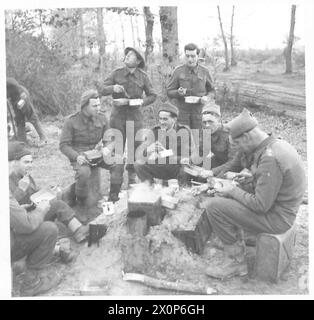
<point x="278" y="179"/>
<point x="23" y="186"/>
<point x="84" y="131"/>
<point x="171" y="136"/>
<point x="31" y="236"/>
<point x="222" y="153"/>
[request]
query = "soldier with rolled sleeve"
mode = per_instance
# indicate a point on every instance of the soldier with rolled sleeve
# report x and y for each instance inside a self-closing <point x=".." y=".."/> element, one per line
<point x="82" y="132"/>
<point x="190" y="79"/>
<point x="126" y="83"/>
<point x="278" y="185"/>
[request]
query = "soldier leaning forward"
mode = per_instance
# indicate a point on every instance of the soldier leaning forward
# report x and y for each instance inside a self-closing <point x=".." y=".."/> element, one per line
<point x="23" y="110"/>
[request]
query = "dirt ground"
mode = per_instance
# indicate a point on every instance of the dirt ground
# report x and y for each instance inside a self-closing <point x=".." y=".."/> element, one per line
<point x="97" y="270"/>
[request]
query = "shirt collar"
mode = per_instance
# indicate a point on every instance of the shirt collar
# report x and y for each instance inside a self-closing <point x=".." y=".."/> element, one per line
<point x="193" y="69"/>
<point x="127" y="71"/>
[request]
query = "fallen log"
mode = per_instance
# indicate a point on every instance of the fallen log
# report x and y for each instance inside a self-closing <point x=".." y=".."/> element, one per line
<point x="163" y="284"/>
<point x="252" y="94"/>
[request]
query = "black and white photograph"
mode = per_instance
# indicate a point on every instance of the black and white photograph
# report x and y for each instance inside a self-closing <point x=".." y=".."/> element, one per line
<point x="157" y="150"/>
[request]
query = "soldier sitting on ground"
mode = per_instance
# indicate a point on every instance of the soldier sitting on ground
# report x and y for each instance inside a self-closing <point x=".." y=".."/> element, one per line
<point x="222" y="154"/>
<point x="23" y="186"/>
<point x="84" y="131"/>
<point x="278" y="180"/>
<point x="31" y="237"/>
<point x="168" y="129"/>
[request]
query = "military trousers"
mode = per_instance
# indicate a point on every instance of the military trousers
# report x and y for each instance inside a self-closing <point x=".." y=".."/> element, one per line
<point x="27" y="113"/>
<point x="190" y="115"/>
<point x="83" y="173"/>
<point x="60" y="210"/>
<point x="37" y="246"/>
<point x="119" y="116"/>
<point x="228" y="216"/>
<point x="147" y="172"/>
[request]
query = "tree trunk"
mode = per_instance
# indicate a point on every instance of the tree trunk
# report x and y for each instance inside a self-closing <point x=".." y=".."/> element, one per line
<point x="288" y="50"/>
<point x="132" y="27"/>
<point x="170" y="44"/>
<point x="82" y="35"/>
<point x="101" y="38"/>
<point x="138" y="38"/>
<point x="224" y="41"/>
<point x="233" y="59"/>
<point x="122" y="29"/>
<point x="169" y="33"/>
<point x="149" y="24"/>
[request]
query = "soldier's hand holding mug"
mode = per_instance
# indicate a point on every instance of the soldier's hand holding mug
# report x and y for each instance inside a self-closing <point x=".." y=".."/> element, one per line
<point x="182" y="91"/>
<point x="24" y="183"/>
<point x="81" y="160"/>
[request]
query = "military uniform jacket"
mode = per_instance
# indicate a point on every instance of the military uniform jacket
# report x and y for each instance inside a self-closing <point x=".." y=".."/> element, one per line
<point x="135" y="84"/>
<point x="278" y="180"/>
<point x="197" y="81"/>
<point x="22" y="197"/>
<point x="183" y="150"/>
<point x="80" y="134"/>
<point x="22" y="222"/>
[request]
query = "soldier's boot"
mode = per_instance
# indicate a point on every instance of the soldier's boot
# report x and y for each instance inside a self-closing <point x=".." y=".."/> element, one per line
<point x="81" y="209"/>
<point x="114" y="192"/>
<point x="37" y="282"/>
<point x="80" y="231"/>
<point x="131" y="178"/>
<point x="233" y="264"/>
<point x="63" y="250"/>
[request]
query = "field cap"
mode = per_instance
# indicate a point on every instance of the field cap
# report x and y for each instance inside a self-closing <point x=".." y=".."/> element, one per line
<point x="244" y="122"/>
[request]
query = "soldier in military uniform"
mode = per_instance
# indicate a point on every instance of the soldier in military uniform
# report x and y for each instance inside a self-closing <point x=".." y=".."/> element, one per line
<point x="23" y="186"/>
<point x="83" y="131"/>
<point x="222" y="153"/>
<point x="166" y="132"/>
<point x="23" y="110"/>
<point x="279" y="184"/>
<point x="190" y="79"/>
<point x="125" y="83"/>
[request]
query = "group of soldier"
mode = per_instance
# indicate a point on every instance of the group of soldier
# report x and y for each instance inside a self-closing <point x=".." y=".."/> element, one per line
<point x="265" y="198"/>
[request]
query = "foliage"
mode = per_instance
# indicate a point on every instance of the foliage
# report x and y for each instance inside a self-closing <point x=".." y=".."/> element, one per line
<point x="129" y="11"/>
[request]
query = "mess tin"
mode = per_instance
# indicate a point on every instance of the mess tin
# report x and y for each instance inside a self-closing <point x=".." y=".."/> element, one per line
<point x="41" y="195"/>
<point x="192" y="99"/>
<point x="135" y="102"/>
<point x="93" y="157"/>
<point x="121" y="102"/>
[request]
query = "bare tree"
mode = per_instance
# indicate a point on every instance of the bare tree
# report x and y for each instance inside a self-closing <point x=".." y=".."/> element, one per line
<point x="169" y="33"/>
<point x="122" y="29"/>
<point x="288" y="49"/>
<point x="170" y="44"/>
<point x="101" y="38"/>
<point x="233" y="59"/>
<point x="149" y="24"/>
<point x="138" y="38"/>
<point x="82" y="36"/>
<point x="132" y="28"/>
<point x="226" y="68"/>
